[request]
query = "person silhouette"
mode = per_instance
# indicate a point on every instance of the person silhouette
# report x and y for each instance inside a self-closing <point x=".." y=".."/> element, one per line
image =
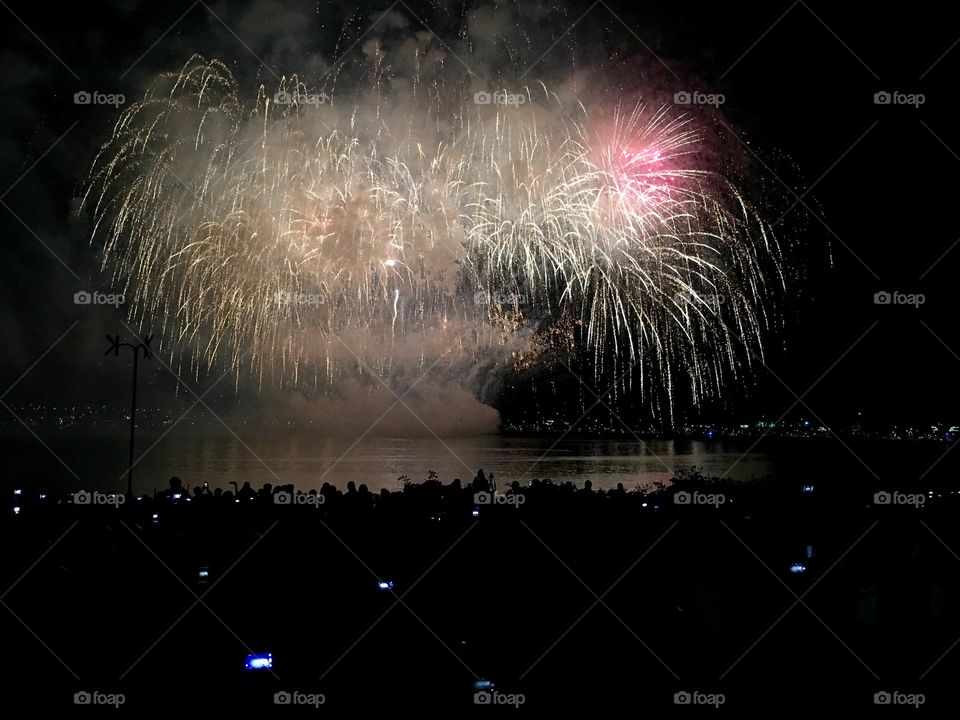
<point x="480" y="483"/>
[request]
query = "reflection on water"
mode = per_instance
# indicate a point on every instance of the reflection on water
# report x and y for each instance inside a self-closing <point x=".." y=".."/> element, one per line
<point x="381" y="462"/>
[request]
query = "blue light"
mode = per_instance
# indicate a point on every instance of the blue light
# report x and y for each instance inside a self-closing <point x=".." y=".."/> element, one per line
<point x="385" y="585"/>
<point x="43" y="496"/>
<point x="808" y="488"/>
<point x="643" y="505"/>
<point x="482" y="684"/>
<point x="809" y="551"/>
<point x="798" y="568"/>
<point x="259" y="661"/>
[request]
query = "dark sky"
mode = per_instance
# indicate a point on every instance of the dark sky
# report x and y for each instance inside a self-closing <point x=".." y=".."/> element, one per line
<point x="876" y="181"/>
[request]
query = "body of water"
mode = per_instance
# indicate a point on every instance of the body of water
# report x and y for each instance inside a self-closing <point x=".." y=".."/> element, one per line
<point x="306" y="460"/>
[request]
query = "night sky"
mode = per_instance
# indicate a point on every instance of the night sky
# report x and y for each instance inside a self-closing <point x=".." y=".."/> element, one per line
<point x="876" y="181"/>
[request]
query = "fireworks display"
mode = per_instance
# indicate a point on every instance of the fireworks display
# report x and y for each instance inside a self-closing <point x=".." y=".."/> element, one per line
<point x="304" y="235"/>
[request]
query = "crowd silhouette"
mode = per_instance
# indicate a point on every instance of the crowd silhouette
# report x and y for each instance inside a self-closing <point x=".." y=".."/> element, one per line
<point x="527" y="583"/>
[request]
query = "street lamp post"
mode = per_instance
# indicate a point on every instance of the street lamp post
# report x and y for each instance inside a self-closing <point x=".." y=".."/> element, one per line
<point x="144" y="347"/>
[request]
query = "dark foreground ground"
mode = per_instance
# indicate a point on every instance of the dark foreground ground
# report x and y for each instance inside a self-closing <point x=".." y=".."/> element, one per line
<point x="748" y="598"/>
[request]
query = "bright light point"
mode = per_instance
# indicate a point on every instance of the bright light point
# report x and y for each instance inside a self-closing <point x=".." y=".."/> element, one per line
<point x="385" y="585"/>
<point x="798" y="568"/>
<point x="390" y="263"/>
<point x="16" y="510"/>
<point x="259" y="661"/>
